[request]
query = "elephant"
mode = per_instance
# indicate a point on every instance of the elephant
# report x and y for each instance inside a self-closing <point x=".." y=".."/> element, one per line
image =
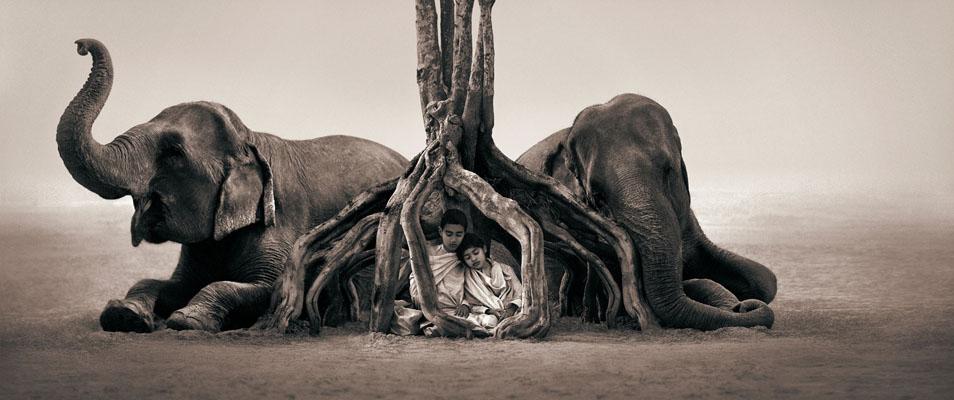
<point x="624" y="158"/>
<point x="235" y="199"/>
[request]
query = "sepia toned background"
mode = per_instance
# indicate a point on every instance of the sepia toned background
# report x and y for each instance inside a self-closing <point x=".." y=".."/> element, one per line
<point x="803" y="96"/>
<point x="817" y="135"/>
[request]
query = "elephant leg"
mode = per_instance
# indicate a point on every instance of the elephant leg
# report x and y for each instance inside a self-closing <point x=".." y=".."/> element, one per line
<point x="220" y="303"/>
<point x="138" y="310"/>
<point x="745" y="278"/>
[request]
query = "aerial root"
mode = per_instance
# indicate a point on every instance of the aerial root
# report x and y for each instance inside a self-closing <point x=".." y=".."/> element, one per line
<point x="311" y="248"/>
<point x="534" y="317"/>
<point x="339" y="256"/>
<point x="594" y="264"/>
<point x="567" y="210"/>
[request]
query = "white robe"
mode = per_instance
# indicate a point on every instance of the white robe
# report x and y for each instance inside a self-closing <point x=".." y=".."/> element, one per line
<point x="448" y="279"/>
<point x="448" y="275"/>
<point x="495" y="287"/>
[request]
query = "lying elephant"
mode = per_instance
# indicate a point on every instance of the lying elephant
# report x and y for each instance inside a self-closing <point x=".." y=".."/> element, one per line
<point x="625" y="158"/>
<point x="236" y="199"/>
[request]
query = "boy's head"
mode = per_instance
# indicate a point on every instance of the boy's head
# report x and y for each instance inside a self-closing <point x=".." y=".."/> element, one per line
<point x="472" y="251"/>
<point x="453" y="226"/>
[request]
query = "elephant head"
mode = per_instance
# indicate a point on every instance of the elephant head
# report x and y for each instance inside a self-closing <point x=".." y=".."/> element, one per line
<point x="626" y="158"/>
<point x="193" y="171"/>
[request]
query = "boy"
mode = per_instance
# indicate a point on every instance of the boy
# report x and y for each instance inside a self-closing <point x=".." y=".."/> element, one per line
<point x="445" y="266"/>
<point x="448" y="278"/>
<point x="492" y="291"/>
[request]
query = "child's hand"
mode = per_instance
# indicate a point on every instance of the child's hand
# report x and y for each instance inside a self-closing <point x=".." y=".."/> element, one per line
<point x="495" y="312"/>
<point x="462" y="311"/>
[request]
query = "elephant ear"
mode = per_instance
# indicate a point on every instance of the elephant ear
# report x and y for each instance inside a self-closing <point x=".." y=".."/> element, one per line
<point x="247" y="195"/>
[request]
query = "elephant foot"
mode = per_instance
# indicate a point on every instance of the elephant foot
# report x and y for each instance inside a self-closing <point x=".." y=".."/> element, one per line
<point x="192" y="318"/>
<point x="126" y="316"/>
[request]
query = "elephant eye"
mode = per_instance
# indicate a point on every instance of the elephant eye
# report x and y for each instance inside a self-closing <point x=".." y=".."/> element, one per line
<point x="156" y="206"/>
<point x="168" y="152"/>
<point x="172" y="161"/>
<point x="171" y="146"/>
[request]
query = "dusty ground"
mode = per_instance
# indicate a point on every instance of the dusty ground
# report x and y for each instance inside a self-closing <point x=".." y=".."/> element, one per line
<point x="865" y="310"/>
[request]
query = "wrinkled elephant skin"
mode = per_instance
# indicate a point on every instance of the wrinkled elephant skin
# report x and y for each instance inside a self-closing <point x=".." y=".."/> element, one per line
<point x="624" y="157"/>
<point x="234" y="198"/>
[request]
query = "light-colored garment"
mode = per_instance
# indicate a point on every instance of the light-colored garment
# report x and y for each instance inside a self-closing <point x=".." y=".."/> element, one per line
<point x="448" y="279"/>
<point x="487" y="321"/>
<point x="406" y="320"/>
<point x="495" y="287"/>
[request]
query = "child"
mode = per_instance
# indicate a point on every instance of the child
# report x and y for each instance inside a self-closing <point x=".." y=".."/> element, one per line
<point x="445" y="266"/>
<point x="448" y="276"/>
<point x="491" y="289"/>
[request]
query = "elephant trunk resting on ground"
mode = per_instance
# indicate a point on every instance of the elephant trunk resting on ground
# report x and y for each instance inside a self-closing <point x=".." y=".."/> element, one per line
<point x="236" y="199"/>
<point x="625" y="158"/>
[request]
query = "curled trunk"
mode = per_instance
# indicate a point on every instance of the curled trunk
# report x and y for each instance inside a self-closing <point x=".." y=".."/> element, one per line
<point x="654" y="228"/>
<point x="744" y="277"/>
<point x="98" y="168"/>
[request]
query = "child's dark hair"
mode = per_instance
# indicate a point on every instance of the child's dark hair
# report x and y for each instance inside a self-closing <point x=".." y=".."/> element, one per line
<point x="454" y="217"/>
<point x="470" y="241"/>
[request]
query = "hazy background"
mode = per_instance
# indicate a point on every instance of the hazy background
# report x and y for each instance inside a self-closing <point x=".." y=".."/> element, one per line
<point x="803" y="97"/>
<point x="818" y="138"/>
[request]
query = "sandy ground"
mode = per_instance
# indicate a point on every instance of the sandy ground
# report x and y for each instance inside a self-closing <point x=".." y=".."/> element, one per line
<point x="865" y="310"/>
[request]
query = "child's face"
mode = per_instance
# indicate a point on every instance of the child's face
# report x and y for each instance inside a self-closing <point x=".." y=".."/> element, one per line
<point x="475" y="258"/>
<point x="451" y="235"/>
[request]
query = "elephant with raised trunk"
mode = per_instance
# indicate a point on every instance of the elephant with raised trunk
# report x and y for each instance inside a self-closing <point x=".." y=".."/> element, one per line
<point x="624" y="157"/>
<point x="234" y="198"/>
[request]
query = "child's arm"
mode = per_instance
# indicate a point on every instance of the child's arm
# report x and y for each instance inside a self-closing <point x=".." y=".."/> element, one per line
<point x="475" y="306"/>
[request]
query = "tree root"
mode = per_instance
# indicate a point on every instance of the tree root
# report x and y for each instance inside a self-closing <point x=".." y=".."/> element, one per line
<point x="338" y="257"/>
<point x="579" y="215"/>
<point x="357" y="270"/>
<point x="388" y="245"/>
<point x="593" y="263"/>
<point x="460" y="154"/>
<point x="534" y="317"/>
<point x="310" y="248"/>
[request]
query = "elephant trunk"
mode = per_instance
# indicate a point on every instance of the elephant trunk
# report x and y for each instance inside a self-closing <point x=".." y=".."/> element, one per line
<point x="652" y="223"/>
<point x="744" y="277"/>
<point x="97" y="167"/>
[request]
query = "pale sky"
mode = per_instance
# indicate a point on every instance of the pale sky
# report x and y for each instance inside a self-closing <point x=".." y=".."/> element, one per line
<point x="791" y="96"/>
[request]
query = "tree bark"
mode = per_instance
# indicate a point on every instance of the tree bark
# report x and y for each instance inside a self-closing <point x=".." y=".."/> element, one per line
<point x="462" y="164"/>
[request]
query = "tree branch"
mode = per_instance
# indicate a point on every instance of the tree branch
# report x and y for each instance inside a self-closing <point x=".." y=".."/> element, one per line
<point x="447" y="42"/>
<point x="462" y="58"/>
<point x="429" y="82"/>
<point x="487" y="65"/>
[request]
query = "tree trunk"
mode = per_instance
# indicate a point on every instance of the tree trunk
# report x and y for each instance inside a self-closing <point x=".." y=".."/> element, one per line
<point x="462" y="164"/>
